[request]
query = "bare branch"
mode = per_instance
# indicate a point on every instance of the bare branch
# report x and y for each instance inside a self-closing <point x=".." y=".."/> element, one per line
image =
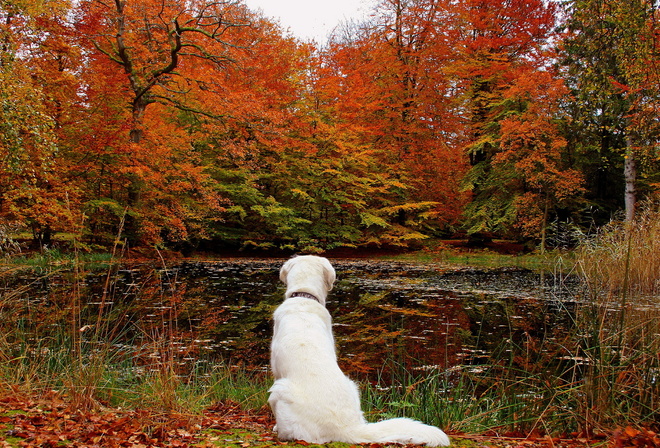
<point x="168" y="36"/>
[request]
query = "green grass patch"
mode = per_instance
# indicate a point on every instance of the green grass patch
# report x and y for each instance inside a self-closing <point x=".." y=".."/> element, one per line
<point x="484" y="258"/>
<point x="242" y="438"/>
<point x="48" y="260"/>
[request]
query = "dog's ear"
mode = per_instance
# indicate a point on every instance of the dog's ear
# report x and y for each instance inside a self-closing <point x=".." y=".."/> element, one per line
<point x="284" y="270"/>
<point x="330" y="275"/>
<point x="286" y="267"/>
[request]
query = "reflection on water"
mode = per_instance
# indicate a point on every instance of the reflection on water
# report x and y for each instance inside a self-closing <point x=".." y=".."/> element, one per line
<point x="419" y="315"/>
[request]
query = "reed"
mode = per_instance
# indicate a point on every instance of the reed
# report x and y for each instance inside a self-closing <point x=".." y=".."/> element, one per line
<point x="623" y="259"/>
<point x="53" y="259"/>
<point x="474" y="399"/>
<point x="602" y="397"/>
<point x="620" y="322"/>
<point x="106" y="374"/>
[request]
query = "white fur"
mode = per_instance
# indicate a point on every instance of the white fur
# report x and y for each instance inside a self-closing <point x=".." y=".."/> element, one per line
<point x="311" y="398"/>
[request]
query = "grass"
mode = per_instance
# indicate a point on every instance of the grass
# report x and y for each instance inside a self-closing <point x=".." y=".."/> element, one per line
<point x="105" y="374"/>
<point x="620" y="321"/>
<point x="623" y="260"/>
<point x="50" y="259"/>
<point x="487" y="402"/>
<point x="486" y="258"/>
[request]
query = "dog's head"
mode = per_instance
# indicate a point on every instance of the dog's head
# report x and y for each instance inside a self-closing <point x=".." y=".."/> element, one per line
<point x="308" y="273"/>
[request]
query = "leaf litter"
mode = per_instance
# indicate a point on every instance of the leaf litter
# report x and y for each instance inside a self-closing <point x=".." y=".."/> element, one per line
<point x="52" y="421"/>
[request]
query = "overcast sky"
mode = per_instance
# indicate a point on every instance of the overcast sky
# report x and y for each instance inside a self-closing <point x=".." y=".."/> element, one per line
<point x="311" y="19"/>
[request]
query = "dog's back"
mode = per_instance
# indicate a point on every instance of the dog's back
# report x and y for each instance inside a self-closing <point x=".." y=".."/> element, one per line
<point x="302" y="339"/>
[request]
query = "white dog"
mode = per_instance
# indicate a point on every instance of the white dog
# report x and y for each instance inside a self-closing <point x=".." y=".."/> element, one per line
<point x="311" y="398"/>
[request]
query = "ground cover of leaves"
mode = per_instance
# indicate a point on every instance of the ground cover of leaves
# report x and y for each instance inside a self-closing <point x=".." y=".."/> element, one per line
<point x="53" y="421"/>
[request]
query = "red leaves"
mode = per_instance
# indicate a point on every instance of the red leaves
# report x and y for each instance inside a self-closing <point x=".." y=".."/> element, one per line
<point x="45" y="426"/>
<point x="51" y="422"/>
<point x="635" y="438"/>
<point x="621" y="438"/>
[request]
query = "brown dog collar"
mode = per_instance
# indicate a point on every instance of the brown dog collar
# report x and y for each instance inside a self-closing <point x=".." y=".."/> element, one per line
<point x="305" y="295"/>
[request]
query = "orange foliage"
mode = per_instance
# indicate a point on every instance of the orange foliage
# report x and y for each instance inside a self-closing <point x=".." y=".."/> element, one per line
<point x="177" y="122"/>
<point x="389" y="88"/>
<point x="531" y="145"/>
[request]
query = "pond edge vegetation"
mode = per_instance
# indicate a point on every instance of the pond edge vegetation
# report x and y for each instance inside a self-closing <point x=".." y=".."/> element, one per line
<point x="611" y="377"/>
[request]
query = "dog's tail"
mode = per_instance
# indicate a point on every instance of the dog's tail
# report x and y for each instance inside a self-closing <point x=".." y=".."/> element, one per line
<point x="400" y="430"/>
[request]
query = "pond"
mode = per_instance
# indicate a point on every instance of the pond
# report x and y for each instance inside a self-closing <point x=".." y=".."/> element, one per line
<point x="421" y="316"/>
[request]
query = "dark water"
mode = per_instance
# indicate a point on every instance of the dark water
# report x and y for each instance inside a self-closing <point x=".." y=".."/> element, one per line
<point x="418" y="315"/>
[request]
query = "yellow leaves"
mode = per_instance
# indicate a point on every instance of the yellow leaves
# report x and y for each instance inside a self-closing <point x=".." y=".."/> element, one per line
<point x="397" y="184"/>
<point x="407" y="207"/>
<point x="369" y="219"/>
<point x="301" y="194"/>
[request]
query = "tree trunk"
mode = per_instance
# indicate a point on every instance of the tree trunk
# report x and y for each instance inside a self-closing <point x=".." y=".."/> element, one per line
<point x="630" y="174"/>
<point x="544" y="228"/>
<point x="139" y="106"/>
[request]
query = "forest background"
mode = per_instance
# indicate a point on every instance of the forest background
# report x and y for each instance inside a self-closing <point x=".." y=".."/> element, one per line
<point x="201" y="124"/>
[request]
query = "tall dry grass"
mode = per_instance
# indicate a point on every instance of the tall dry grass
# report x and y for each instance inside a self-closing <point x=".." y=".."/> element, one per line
<point x="619" y="322"/>
<point x="623" y="259"/>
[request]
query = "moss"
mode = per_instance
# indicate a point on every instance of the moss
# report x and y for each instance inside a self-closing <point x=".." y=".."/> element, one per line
<point x="243" y="438"/>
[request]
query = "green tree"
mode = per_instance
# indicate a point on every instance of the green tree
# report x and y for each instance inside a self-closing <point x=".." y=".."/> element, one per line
<point x="611" y="60"/>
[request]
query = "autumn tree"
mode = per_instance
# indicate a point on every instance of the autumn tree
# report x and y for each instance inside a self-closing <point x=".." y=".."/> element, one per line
<point x="384" y="80"/>
<point x="147" y="64"/>
<point x="530" y="175"/>
<point x="149" y="42"/>
<point x="255" y="153"/>
<point x="296" y="177"/>
<point x="501" y="45"/>
<point x="177" y="123"/>
<point x="32" y="193"/>
<point x="416" y="39"/>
